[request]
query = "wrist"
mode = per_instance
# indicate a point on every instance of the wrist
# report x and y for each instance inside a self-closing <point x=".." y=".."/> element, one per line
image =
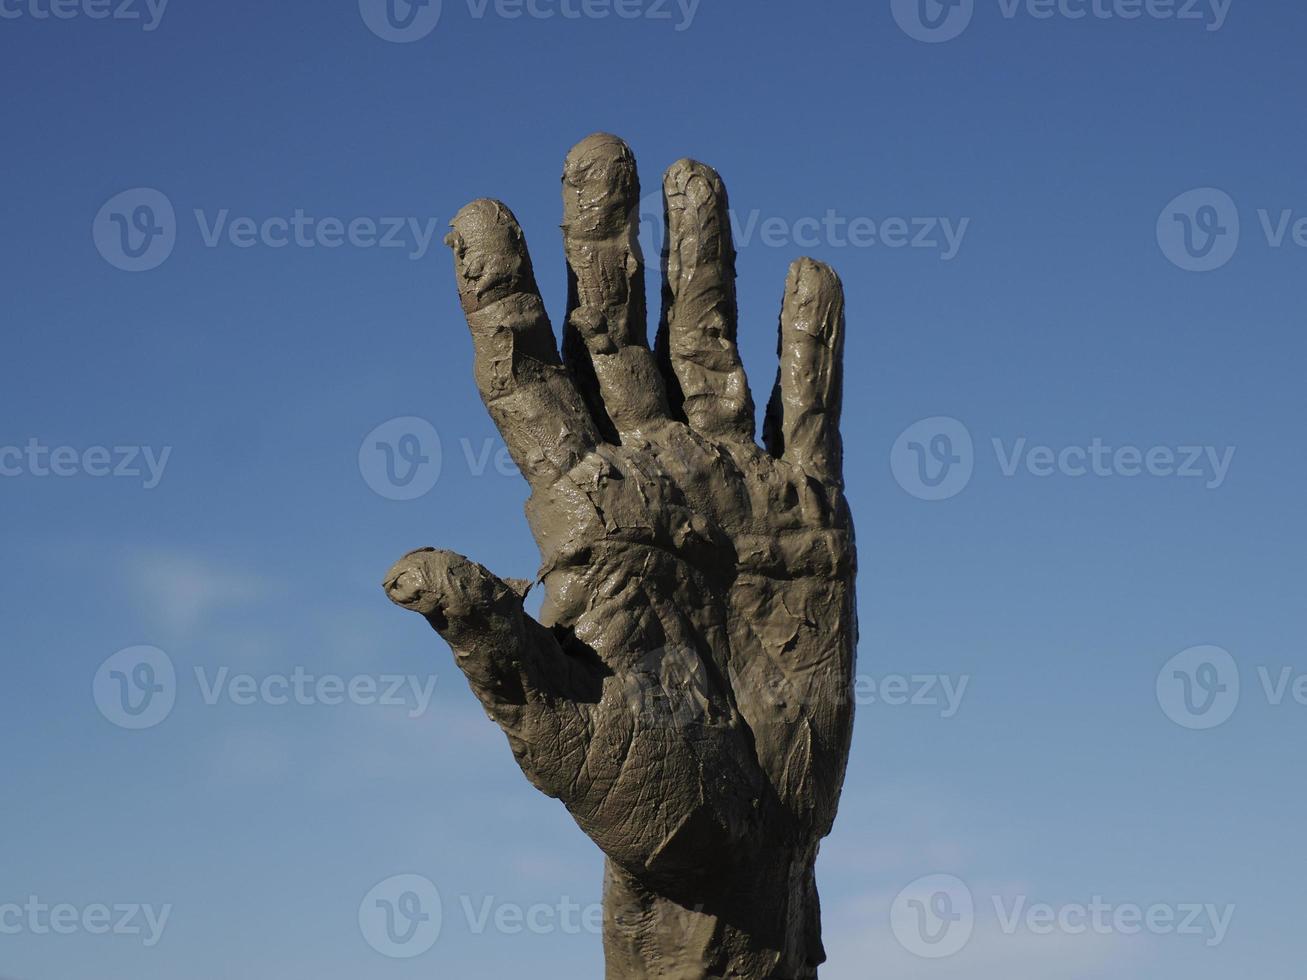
<point x="760" y="923"/>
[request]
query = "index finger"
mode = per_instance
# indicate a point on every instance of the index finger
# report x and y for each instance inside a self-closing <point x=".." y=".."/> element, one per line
<point x="522" y="381"/>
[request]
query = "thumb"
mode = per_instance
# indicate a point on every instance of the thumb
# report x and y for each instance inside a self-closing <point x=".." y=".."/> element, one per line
<point x="509" y="659"/>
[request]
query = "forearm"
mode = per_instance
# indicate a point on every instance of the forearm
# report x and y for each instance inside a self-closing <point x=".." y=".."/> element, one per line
<point x="763" y="926"/>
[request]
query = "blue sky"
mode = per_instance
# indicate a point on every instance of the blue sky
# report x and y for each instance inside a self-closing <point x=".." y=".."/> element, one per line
<point x="1034" y="214"/>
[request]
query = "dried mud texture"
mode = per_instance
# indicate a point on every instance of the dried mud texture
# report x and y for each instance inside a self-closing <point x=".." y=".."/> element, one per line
<point x="686" y="692"/>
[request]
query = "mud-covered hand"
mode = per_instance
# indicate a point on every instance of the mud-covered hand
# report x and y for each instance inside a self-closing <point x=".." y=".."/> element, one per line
<point x="686" y="692"/>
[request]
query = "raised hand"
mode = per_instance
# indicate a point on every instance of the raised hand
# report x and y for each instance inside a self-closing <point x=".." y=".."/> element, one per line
<point x="686" y="692"/>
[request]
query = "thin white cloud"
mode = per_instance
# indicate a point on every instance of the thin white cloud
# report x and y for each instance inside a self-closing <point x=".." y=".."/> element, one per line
<point x="179" y="591"/>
